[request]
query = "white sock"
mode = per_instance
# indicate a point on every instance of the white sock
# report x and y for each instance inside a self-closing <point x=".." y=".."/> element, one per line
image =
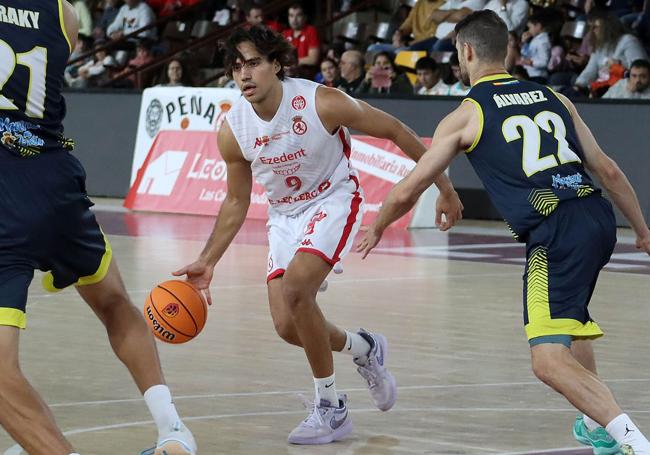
<point x="590" y="423"/>
<point x="326" y="390"/>
<point x="162" y="409"/>
<point x="625" y="432"/>
<point x="355" y="345"/>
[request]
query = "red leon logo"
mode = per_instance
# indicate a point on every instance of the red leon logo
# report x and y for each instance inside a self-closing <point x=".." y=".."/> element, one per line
<point x="298" y="103"/>
<point x="171" y="310"/>
<point x="306" y="242"/>
<point x="312" y="223"/>
<point x="299" y="126"/>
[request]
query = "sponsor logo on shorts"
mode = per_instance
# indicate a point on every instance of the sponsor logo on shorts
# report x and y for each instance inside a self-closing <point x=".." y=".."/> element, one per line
<point x="299" y="126"/>
<point x="160" y="330"/>
<point x="171" y="310"/>
<point x="306" y="242"/>
<point x="298" y="103"/>
<point x="312" y="223"/>
<point x="306" y="196"/>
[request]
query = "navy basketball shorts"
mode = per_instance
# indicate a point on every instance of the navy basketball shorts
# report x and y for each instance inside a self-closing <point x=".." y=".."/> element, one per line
<point x="565" y="254"/>
<point x="46" y="224"/>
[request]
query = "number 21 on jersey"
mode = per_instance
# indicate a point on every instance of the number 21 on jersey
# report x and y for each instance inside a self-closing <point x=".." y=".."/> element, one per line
<point x="36" y="61"/>
<point x="523" y="127"/>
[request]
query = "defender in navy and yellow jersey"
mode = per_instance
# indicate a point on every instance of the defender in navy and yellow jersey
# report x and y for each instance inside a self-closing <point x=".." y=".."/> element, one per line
<point x="532" y="151"/>
<point x="46" y="224"/>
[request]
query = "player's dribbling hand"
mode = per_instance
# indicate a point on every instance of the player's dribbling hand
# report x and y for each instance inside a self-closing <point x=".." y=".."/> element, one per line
<point x="199" y="274"/>
<point x="369" y="241"/>
<point x="450" y="205"/>
<point x="643" y="243"/>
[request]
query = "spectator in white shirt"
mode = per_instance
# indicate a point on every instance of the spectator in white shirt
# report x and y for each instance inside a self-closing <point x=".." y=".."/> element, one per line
<point x="512" y="12"/>
<point x="536" y="51"/>
<point x="635" y="86"/>
<point x="429" y="80"/>
<point x="449" y="14"/>
<point x="133" y="15"/>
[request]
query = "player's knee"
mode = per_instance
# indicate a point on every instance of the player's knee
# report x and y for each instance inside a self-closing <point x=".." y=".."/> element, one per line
<point x="294" y="295"/>
<point x="545" y="369"/>
<point x="286" y="330"/>
<point x="112" y="304"/>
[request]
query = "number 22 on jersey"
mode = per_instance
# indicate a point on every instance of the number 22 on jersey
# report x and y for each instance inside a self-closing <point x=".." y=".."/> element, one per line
<point x="523" y="127"/>
<point x="36" y="61"/>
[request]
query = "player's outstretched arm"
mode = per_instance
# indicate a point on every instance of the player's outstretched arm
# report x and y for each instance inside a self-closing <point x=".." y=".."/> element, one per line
<point x="612" y="178"/>
<point x="336" y="108"/>
<point x="231" y="216"/>
<point x="455" y="133"/>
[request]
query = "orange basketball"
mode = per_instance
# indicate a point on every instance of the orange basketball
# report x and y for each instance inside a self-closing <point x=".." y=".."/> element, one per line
<point x="175" y="311"/>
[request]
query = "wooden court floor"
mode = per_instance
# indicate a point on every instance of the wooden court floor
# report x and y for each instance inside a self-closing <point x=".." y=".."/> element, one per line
<point x="450" y="305"/>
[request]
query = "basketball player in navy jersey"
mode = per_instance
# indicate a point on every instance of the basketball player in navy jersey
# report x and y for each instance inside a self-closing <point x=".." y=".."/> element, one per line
<point x="531" y="149"/>
<point x="46" y="224"/>
<point x="291" y="134"/>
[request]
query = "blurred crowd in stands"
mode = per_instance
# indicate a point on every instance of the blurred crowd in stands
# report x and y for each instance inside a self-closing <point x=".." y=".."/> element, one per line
<point x="582" y="48"/>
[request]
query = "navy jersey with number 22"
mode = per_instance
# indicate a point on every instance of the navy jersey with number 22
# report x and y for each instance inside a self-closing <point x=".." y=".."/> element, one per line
<point x="527" y="151"/>
<point x="34" y="50"/>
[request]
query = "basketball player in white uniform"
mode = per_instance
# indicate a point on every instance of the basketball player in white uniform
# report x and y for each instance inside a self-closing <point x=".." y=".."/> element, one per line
<point x="291" y="135"/>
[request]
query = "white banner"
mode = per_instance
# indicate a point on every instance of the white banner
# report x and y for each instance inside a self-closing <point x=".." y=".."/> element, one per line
<point x="178" y="109"/>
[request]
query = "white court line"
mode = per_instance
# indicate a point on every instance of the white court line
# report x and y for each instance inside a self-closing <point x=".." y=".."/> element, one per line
<point x="297" y="392"/>
<point x="528" y="452"/>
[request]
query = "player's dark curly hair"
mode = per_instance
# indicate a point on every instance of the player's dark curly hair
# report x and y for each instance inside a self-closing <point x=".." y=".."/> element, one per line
<point x="270" y="44"/>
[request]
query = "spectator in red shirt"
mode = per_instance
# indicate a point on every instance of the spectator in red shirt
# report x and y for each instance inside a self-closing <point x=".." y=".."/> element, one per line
<point x="255" y="16"/>
<point x="303" y="37"/>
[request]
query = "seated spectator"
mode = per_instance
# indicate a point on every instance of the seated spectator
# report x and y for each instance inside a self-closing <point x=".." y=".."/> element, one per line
<point x="304" y="38"/>
<point x="84" y="16"/>
<point x="519" y="73"/>
<point x="514" y="51"/>
<point x="512" y="12"/>
<point x="536" y="50"/>
<point x="419" y="24"/>
<point x="429" y="81"/>
<point x="133" y="15"/>
<point x="383" y="77"/>
<point x="90" y="74"/>
<point x="447" y="16"/>
<point x="175" y="75"/>
<point x="351" y="66"/>
<point x="255" y="16"/>
<point x="164" y="8"/>
<point x="612" y="46"/>
<point x="330" y="73"/>
<point x="84" y="44"/>
<point x="635" y="86"/>
<point x="108" y="16"/>
<point x="142" y="57"/>
<point x="456" y="88"/>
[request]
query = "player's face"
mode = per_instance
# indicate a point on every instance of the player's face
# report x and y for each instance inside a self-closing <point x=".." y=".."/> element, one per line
<point x="462" y="63"/>
<point x="255" y="17"/>
<point x="254" y="74"/>
<point x="639" y="79"/>
<point x="297" y="18"/>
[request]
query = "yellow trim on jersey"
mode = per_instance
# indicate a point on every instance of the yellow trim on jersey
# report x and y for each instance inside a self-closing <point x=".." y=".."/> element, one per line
<point x="493" y="77"/>
<point x="99" y="275"/>
<point x="560" y="99"/>
<point x="479" y="133"/>
<point x="538" y="307"/>
<point x="62" y="22"/>
<point x="13" y="317"/>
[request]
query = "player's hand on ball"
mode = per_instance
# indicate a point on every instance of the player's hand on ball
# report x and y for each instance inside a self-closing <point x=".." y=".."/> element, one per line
<point x="198" y="273"/>
<point x="448" y="204"/>
<point x="369" y="241"/>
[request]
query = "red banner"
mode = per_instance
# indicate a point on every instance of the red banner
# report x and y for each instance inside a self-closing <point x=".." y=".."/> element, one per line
<point x="184" y="173"/>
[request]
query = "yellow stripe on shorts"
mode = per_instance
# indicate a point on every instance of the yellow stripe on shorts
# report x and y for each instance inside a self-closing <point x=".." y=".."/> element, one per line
<point x="13" y="317"/>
